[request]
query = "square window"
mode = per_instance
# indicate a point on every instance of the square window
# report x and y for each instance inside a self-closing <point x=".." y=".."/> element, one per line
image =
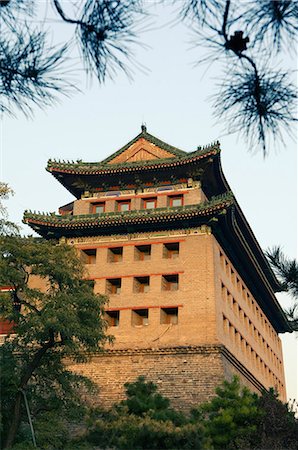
<point x="98" y="208"/>
<point x="176" y="200"/>
<point x="112" y="317"/>
<point x="141" y="284"/>
<point x="170" y="282"/>
<point x="115" y="254"/>
<point x="139" y="317"/>
<point x="113" y="286"/>
<point x="123" y="205"/>
<point x="169" y="315"/>
<point x="142" y="252"/>
<point x="149" y="203"/>
<point x="171" y="250"/>
<point x="89" y="256"/>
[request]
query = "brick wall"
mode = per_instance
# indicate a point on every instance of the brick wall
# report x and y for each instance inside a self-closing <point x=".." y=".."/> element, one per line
<point x="195" y="296"/>
<point x="191" y="196"/>
<point x="207" y="315"/>
<point x="186" y="375"/>
<point x="244" y="328"/>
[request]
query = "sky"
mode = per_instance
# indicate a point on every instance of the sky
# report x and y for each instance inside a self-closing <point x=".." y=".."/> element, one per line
<point x="173" y="98"/>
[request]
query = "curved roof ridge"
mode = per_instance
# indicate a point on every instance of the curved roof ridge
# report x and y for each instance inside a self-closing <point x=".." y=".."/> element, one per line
<point x="203" y="148"/>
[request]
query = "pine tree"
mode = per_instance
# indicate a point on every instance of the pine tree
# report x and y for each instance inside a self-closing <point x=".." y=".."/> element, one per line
<point x="286" y="270"/>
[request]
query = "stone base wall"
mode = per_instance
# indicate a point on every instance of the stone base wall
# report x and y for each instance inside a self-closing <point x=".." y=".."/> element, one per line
<point x="186" y="375"/>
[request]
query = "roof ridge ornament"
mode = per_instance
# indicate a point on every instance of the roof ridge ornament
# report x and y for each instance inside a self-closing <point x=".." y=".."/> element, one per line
<point x="144" y="128"/>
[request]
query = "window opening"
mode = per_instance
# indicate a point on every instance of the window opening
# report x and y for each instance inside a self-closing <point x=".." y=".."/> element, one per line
<point x="141" y="284"/>
<point x="115" y="254"/>
<point x="113" y="286"/>
<point x="169" y="316"/>
<point x="123" y="205"/>
<point x="89" y="256"/>
<point x="112" y="317"/>
<point x="98" y="208"/>
<point x="149" y="203"/>
<point x="139" y="317"/>
<point x="171" y="250"/>
<point x="170" y="282"/>
<point x="176" y="200"/>
<point x="142" y="252"/>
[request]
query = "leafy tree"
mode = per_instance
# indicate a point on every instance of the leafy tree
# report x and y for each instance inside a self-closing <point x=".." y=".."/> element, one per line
<point x="6" y="227"/>
<point x="256" y="97"/>
<point x="56" y="316"/>
<point x="286" y="270"/>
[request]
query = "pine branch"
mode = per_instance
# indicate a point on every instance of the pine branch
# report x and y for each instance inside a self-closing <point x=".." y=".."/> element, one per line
<point x="285" y="269"/>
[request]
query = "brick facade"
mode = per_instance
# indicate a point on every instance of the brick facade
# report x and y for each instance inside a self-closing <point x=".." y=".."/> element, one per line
<point x="182" y="313"/>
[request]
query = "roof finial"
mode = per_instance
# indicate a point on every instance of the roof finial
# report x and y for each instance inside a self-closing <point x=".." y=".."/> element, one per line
<point x="143" y="128"/>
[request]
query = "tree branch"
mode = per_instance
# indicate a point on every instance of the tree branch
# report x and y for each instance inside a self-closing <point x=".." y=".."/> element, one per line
<point x="100" y="34"/>
<point x="62" y="14"/>
<point x="225" y="20"/>
<point x="36" y="360"/>
<point x="16" y="409"/>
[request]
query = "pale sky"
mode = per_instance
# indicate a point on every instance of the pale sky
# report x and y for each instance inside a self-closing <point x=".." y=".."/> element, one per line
<point x="172" y="98"/>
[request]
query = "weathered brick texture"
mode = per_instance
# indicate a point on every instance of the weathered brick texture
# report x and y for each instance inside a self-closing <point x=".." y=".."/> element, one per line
<point x="187" y="376"/>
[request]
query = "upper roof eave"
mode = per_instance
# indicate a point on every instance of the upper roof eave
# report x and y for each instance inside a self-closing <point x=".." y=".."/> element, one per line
<point x="98" y="168"/>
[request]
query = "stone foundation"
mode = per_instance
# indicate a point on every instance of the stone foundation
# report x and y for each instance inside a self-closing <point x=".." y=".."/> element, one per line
<point x="186" y="375"/>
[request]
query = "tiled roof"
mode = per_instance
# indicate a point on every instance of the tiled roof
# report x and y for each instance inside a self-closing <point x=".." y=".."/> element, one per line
<point x="94" y="168"/>
<point x="214" y="206"/>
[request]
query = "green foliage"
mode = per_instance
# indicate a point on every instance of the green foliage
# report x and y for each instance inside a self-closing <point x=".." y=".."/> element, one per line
<point x="277" y="428"/>
<point x="238" y="419"/>
<point x="56" y="315"/>
<point x="144" y="400"/>
<point x="286" y="270"/>
<point x="231" y="417"/>
<point x="234" y="419"/>
<point x="144" y="420"/>
<point x="6" y="227"/>
<point x="51" y="433"/>
<point x="133" y="432"/>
